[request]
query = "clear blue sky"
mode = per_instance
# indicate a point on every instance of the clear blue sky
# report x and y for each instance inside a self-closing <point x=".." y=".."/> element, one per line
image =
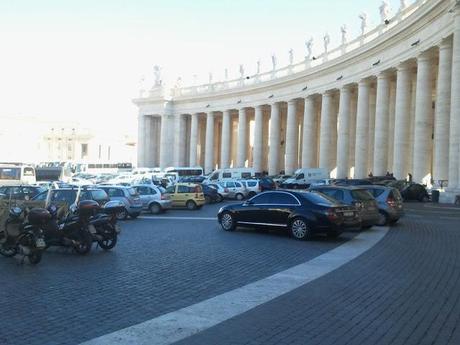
<point x="83" y="59"/>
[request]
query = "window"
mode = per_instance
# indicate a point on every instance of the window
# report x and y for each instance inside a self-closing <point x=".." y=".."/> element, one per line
<point x="300" y="177"/>
<point x="283" y="199"/>
<point x="132" y="191"/>
<point x="183" y="189"/>
<point x="230" y="184"/>
<point x="144" y="191"/>
<point x="261" y="199"/>
<point x="361" y="194"/>
<point x="115" y="192"/>
<point x="376" y="192"/>
<point x="29" y="172"/>
<point x="226" y="175"/>
<point x="214" y="176"/>
<point x="10" y="173"/>
<point x="99" y="195"/>
<point x="237" y="184"/>
<point x="333" y="193"/>
<point x="171" y="189"/>
<point x="252" y="183"/>
<point x="246" y="175"/>
<point x="41" y="196"/>
<point x="318" y="198"/>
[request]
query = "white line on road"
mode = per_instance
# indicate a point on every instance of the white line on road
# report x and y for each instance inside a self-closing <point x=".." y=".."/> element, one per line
<point x="196" y="318"/>
<point x="442" y="208"/>
<point x="178" y="218"/>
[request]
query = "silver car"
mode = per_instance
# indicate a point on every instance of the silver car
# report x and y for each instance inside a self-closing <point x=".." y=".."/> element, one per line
<point x="153" y="199"/>
<point x="252" y="186"/>
<point x="389" y="202"/>
<point x="236" y="190"/>
<point x="222" y="191"/>
<point x="128" y="196"/>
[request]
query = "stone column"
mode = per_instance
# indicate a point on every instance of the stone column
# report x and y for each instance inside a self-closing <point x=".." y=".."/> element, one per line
<point x="352" y="133"/>
<point x="166" y="144"/>
<point x="274" y="152"/>
<point x="141" y="141"/>
<point x="309" y="141"/>
<point x="381" y="124"/>
<point x="209" y="145"/>
<point x="179" y="140"/>
<point x="391" y="126"/>
<point x="242" y="138"/>
<point x="194" y="140"/>
<point x="148" y="133"/>
<point x="326" y="132"/>
<point x="258" y="138"/>
<point x="291" y="138"/>
<point x="343" y="139"/>
<point x="423" y="119"/>
<point x="362" y="130"/>
<point x="372" y="106"/>
<point x="402" y="121"/>
<point x="442" y="115"/>
<point x="454" y="146"/>
<point x="226" y="139"/>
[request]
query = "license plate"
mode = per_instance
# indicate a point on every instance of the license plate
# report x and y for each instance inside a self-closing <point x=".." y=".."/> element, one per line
<point x="348" y="214"/>
<point x="40" y="243"/>
<point x="92" y="229"/>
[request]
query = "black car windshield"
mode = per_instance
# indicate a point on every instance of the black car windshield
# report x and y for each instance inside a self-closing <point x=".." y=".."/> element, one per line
<point x="99" y="194"/>
<point x="361" y="194"/>
<point x="319" y="198"/>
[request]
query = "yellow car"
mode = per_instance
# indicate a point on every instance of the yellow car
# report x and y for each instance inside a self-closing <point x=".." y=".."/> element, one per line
<point x="188" y="195"/>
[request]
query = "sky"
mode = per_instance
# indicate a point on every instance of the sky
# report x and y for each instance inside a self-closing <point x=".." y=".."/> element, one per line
<point x="83" y="60"/>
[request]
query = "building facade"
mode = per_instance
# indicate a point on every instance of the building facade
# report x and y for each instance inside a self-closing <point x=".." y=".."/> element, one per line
<point x="386" y="101"/>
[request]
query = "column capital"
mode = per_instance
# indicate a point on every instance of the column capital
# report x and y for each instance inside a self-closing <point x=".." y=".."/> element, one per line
<point x="446" y="43"/>
<point x="328" y="93"/>
<point x="384" y="75"/>
<point x="210" y="113"/>
<point x="405" y="66"/>
<point x="365" y="81"/>
<point x="457" y="7"/>
<point x="427" y="55"/>
<point x="292" y="102"/>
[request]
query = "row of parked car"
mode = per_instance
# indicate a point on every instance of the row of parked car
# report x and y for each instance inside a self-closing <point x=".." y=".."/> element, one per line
<point x="327" y="209"/>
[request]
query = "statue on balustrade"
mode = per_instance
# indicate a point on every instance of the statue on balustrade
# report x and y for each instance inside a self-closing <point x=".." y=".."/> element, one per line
<point x="258" y="66"/>
<point x="241" y="71"/>
<point x="291" y="56"/>
<point x="157" y="74"/>
<point x="384" y="11"/>
<point x="226" y="74"/>
<point x="327" y="40"/>
<point x="404" y="4"/>
<point x="210" y="78"/>
<point x="344" y="31"/>
<point x="309" y="46"/>
<point x="273" y="62"/>
<point x="363" y="17"/>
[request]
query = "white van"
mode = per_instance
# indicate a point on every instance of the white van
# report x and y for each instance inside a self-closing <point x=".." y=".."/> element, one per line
<point x="305" y="176"/>
<point x="17" y="174"/>
<point x="231" y="174"/>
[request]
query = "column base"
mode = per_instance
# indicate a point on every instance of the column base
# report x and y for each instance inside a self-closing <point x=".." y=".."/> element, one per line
<point x="449" y="196"/>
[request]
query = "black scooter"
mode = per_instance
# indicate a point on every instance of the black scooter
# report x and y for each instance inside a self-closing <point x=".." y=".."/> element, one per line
<point x="105" y="225"/>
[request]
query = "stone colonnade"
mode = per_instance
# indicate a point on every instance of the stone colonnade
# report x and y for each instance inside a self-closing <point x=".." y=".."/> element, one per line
<point x="404" y="119"/>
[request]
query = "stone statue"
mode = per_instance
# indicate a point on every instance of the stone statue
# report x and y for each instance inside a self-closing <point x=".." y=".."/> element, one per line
<point x="291" y="56"/>
<point x="241" y="71"/>
<point x="363" y="17"/>
<point x="210" y="78"/>
<point x="178" y="84"/>
<point x="258" y="66"/>
<point x="404" y="4"/>
<point x="384" y="11"/>
<point x="309" y="46"/>
<point x="226" y="74"/>
<point x="327" y="40"/>
<point x="157" y="74"/>
<point x="195" y="79"/>
<point x="273" y="62"/>
<point x="344" y="31"/>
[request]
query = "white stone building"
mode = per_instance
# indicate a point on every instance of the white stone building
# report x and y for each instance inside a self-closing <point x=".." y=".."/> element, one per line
<point x="388" y="100"/>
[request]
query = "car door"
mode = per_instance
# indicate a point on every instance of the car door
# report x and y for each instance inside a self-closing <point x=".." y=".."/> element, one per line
<point x="280" y="207"/>
<point x="255" y="210"/>
<point x="144" y="195"/>
<point x="171" y="190"/>
<point x="183" y="194"/>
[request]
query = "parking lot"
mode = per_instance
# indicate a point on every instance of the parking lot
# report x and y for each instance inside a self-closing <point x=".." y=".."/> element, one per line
<point x="404" y="289"/>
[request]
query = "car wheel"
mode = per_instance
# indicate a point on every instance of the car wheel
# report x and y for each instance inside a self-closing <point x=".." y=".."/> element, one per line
<point x="383" y="219"/>
<point x="239" y="196"/>
<point x="155" y="208"/>
<point x="300" y="230"/>
<point x="227" y="222"/>
<point x="220" y="198"/>
<point x="191" y="205"/>
<point x="425" y="198"/>
<point x="122" y="215"/>
<point x="393" y="221"/>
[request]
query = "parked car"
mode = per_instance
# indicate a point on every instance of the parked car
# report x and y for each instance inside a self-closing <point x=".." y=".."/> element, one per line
<point x="253" y="187"/>
<point x="188" y="195"/>
<point x="266" y="183"/>
<point x="410" y="190"/>
<point x="389" y="202"/>
<point x="210" y="194"/>
<point x="192" y="179"/>
<point x="352" y="182"/>
<point x="355" y="196"/>
<point x="153" y="199"/>
<point x="129" y="197"/>
<point x="21" y="192"/>
<point x="221" y="191"/>
<point x="236" y="190"/>
<point x="279" y="179"/>
<point x="303" y="214"/>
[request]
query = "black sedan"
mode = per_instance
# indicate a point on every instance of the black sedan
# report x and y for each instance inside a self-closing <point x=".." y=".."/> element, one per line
<point x="302" y="213"/>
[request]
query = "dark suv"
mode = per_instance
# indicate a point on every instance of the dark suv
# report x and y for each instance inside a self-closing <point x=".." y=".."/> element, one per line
<point x="21" y="192"/>
<point x="68" y="195"/>
<point x="356" y="196"/>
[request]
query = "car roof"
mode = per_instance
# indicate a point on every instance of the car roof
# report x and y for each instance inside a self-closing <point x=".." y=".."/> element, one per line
<point x="340" y="187"/>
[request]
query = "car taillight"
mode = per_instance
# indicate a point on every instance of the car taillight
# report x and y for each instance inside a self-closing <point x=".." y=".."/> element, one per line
<point x="260" y="188"/>
<point x="331" y="214"/>
<point x="226" y="190"/>
<point x="391" y="202"/>
<point x="164" y="197"/>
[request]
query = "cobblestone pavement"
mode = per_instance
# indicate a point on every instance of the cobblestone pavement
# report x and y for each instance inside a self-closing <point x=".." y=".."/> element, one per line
<point x="406" y="290"/>
<point x="158" y="266"/>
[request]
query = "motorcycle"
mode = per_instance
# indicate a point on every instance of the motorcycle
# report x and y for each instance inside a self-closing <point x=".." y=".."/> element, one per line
<point x="73" y="231"/>
<point x="24" y="236"/>
<point x="105" y="225"/>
